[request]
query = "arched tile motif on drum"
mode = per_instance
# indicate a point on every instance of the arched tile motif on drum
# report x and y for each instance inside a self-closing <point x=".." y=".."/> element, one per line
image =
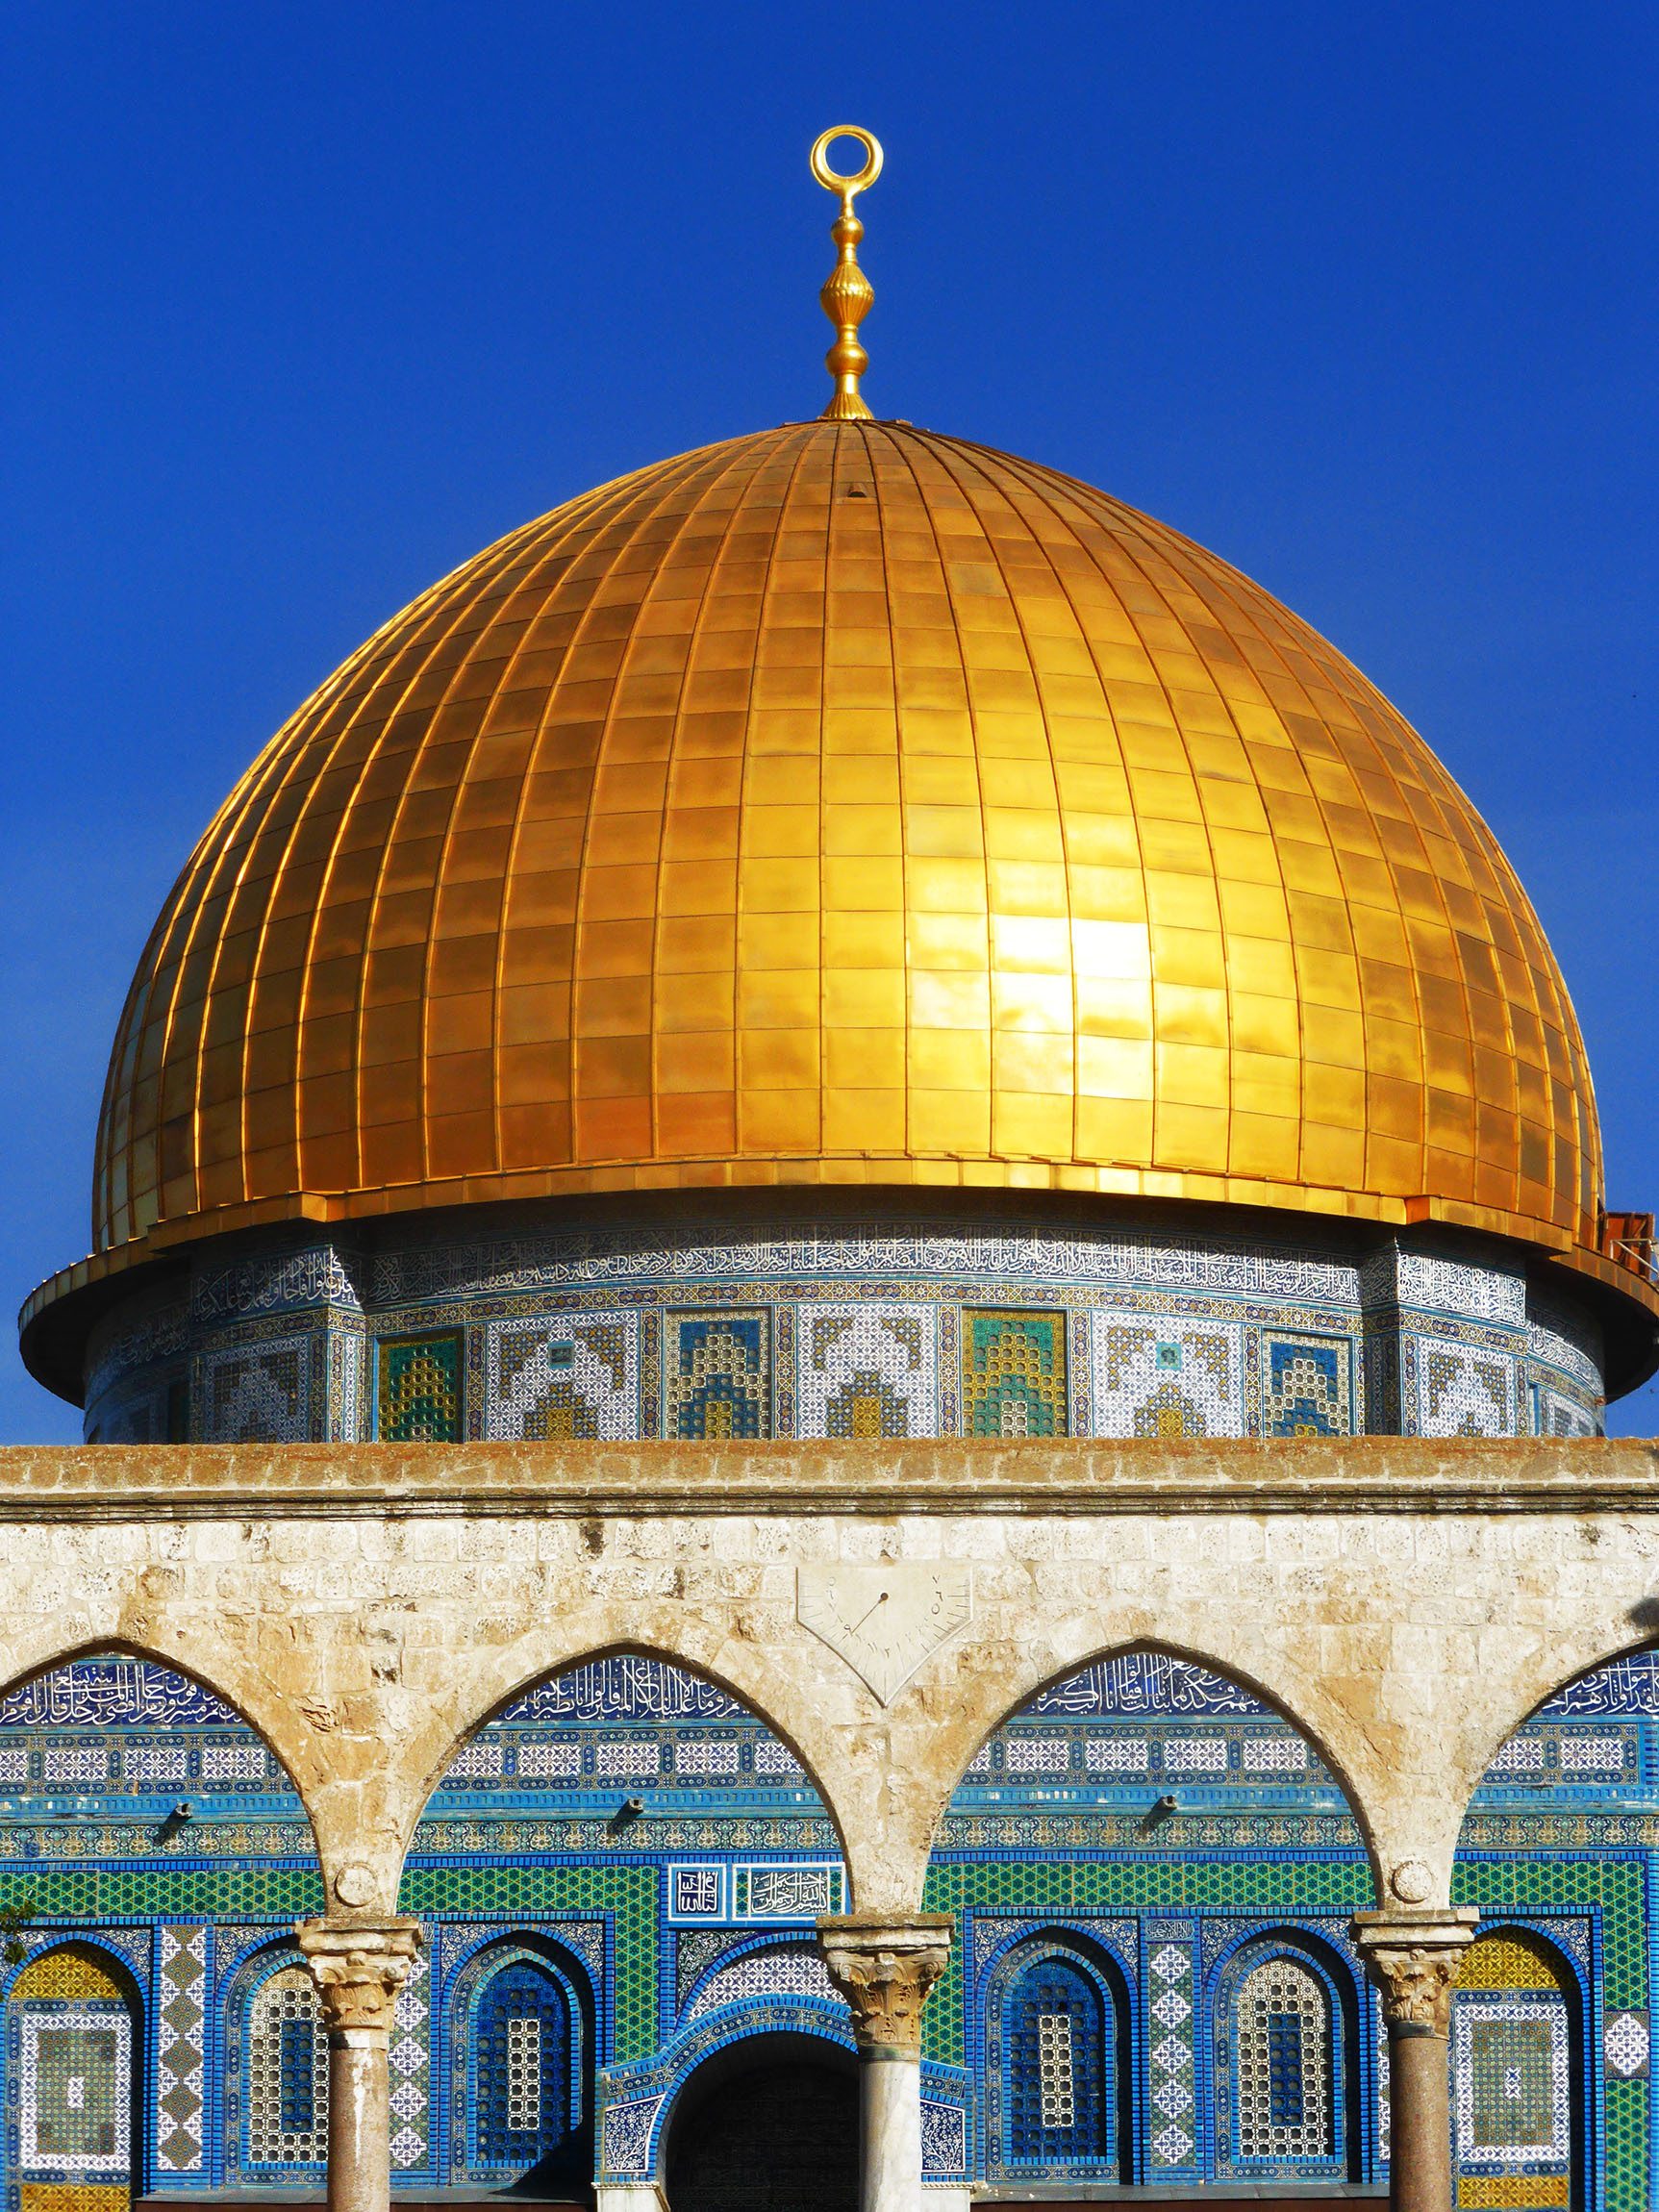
<point x="277" y="2073"/>
<point x="626" y="1831"/>
<point x="1512" y="2032"/>
<point x="144" y="1816"/>
<point x="1283" y="2042"/>
<point x="521" y="2055"/>
<point x="1557" y="1852"/>
<point x="1057" y="2067"/>
<point x="73" y="2048"/>
<point x="1149" y="1814"/>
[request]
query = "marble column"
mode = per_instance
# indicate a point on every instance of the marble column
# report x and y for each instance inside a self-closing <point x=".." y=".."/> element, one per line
<point x="885" y="1968"/>
<point x="1413" y="1956"/>
<point x="358" y="1967"/>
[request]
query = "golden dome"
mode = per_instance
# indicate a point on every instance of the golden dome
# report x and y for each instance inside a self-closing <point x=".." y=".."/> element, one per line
<point x="847" y="804"/>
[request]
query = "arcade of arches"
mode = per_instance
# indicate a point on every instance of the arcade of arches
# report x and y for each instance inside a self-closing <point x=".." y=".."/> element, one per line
<point x="440" y="1827"/>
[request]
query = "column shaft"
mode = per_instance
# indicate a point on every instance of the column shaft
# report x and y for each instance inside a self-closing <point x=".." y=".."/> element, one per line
<point x="1413" y="1957"/>
<point x="1420" y="2119"/>
<point x="890" y="2132"/>
<point x="359" y="2122"/>
<point x="885" y="1968"/>
<point x="359" y="1966"/>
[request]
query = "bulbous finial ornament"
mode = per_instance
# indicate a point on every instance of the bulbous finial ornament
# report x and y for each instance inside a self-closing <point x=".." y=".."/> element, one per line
<point x="848" y="296"/>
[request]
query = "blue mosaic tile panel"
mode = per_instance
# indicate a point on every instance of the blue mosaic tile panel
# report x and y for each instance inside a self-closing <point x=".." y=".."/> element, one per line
<point x="1170" y="1987"/>
<point x="409" y="2059"/>
<point x="718" y="1373"/>
<point x="1556" y="1413"/>
<point x="1307" y="1386"/>
<point x="418" y="1398"/>
<point x="866" y="1371"/>
<point x="180" y="2023"/>
<point x="1279" y="2084"/>
<point x="1156" y="1376"/>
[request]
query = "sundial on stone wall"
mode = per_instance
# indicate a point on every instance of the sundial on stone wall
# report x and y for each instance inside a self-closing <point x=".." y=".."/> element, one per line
<point x="885" y="1621"/>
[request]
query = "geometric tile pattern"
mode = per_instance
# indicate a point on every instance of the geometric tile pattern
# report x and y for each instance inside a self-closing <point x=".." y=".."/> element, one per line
<point x="181" y="2020"/>
<point x="520" y="2090"/>
<point x="1510" y="2085"/>
<point x="1625" y="2045"/>
<point x="1059" y="2087"/>
<point x="1014" y="1378"/>
<point x="865" y="1371"/>
<point x="1306" y="1389"/>
<point x="69" y="2055"/>
<point x="409" y="2060"/>
<point x="1290" y="1307"/>
<point x="794" y="1970"/>
<point x="286" y="2073"/>
<point x="1040" y="1855"/>
<point x="258" y="1393"/>
<point x="419" y="1396"/>
<point x="573" y="1377"/>
<point x="1156" y="1378"/>
<point x="1170" y="2029"/>
<point x="1282" y="2063"/>
<point x="718" y="1380"/>
<point x="1463" y="1391"/>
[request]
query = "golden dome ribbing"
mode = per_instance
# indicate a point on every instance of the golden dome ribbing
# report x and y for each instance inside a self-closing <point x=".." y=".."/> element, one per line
<point x="846" y="803"/>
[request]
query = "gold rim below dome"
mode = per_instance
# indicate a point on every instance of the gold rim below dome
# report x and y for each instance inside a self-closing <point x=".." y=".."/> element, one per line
<point x="846" y="803"/>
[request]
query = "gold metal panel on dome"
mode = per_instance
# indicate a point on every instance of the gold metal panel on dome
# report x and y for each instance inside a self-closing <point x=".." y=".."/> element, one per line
<point x="848" y="803"/>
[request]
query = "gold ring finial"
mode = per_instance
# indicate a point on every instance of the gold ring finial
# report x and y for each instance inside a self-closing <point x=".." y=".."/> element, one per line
<point x="848" y="294"/>
<point x="832" y="180"/>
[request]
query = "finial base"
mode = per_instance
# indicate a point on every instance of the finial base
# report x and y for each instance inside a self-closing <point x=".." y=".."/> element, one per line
<point x="847" y="296"/>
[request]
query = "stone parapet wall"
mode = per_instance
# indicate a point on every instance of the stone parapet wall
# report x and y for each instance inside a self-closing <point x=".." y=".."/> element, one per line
<point x="1405" y="1602"/>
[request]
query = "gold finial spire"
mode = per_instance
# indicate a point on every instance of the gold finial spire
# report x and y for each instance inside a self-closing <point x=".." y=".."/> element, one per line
<point x="847" y="296"/>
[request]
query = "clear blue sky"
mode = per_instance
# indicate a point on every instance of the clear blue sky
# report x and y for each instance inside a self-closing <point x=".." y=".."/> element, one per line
<point x="307" y="302"/>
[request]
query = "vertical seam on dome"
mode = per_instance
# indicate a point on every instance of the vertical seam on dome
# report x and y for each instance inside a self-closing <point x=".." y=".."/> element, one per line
<point x="1238" y="591"/>
<point x="1039" y="491"/>
<point x="1242" y="612"/>
<point x="590" y="516"/>
<point x="275" y="770"/>
<point x="913" y="1146"/>
<point x="811" y="433"/>
<point x="641" y="514"/>
<point x="867" y="433"/>
<point x="438" y="623"/>
<point x="540" y="541"/>
<point x="801" y="443"/>
<point x="480" y="573"/>
<point x="740" y="451"/>
<point x="957" y="477"/>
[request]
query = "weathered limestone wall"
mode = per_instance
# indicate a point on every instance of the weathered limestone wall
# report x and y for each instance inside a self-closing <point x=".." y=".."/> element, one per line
<point x="1407" y="1603"/>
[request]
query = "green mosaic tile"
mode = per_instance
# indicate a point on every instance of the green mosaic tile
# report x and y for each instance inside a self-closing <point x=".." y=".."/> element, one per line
<point x="225" y="1892"/>
<point x="1542" y="1885"/>
<point x="1626" y="2145"/>
<point x="1151" y="1885"/>
<point x="629" y="1892"/>
<point x="419" y="1396"/>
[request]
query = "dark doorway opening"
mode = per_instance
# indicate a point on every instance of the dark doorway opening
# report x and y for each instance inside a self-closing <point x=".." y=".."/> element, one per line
<point x="768" y="2126"/>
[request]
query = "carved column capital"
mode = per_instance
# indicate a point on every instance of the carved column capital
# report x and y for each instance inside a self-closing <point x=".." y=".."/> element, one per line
<point x="885" y="1968"/>
<point x="1413" y="1957"/>
<point x="358" y="1967"/>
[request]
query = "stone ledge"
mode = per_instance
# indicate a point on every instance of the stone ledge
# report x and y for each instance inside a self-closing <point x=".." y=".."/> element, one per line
<point x="950" y="1475"/>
